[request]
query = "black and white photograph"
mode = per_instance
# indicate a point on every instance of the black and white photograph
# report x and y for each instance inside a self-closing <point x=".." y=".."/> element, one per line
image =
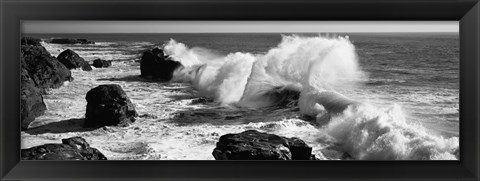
<point x="180" y="90"/>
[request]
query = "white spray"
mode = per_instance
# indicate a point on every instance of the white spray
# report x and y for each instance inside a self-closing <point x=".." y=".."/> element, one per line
<point x="368" y="133"/>
<point x="316" y="67"/>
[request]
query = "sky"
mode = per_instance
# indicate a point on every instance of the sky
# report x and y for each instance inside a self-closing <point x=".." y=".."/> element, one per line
<point x="31" y="27"/>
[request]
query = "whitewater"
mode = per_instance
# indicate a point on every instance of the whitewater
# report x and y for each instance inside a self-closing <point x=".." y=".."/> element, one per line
<point x="302" y="88"/>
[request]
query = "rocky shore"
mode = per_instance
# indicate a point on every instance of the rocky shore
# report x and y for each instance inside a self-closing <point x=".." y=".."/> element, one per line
<point x="109" y="106"/>
<point x="75" y="148"/>
<point x="255" y="145"/>
<point x="40" y="71"/>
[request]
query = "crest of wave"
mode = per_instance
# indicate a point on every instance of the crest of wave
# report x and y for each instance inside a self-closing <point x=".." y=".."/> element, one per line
<point x="189" y="56"/>
<point x="301" y="64"/>
<point x="220" y="77"/>
<point x="296" y="63"/>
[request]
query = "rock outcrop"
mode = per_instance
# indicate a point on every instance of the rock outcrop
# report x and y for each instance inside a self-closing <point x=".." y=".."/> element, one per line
<point x="45" y="70"/>
<point x="39" y="71"/>
<point x="86" y="67"/>
<point x="99" y="63"/>
<point x="75" y="148"/>
<point x="72" y="60"/>
<point x="154" y="64"/>
<point x="30" y="41"/>
<point x="31" y="100"/>
<point x="254" y="145"/>
<point x="108" y="105"/>
<point x="70" y="41"/>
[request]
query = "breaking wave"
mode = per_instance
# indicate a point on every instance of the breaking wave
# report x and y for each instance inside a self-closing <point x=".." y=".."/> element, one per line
<point x="369" y="133"/>
<point x="312" y="71"/>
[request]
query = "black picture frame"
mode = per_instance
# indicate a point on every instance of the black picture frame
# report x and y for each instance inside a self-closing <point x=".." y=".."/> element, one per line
<point x="13" y="12"/>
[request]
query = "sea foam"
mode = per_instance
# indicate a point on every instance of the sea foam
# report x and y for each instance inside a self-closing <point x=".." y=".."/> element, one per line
<point x="369" y="133"/>
<point x="317" y="68"/>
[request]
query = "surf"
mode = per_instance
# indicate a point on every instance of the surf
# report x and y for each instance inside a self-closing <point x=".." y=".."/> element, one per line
<point x="310" y="72"/>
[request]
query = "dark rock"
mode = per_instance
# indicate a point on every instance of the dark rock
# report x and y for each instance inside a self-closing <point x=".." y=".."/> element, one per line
<point x="299" y="149"/>
<point x="86" y="67"/>
<point x="72" y="60"/>
<point x="30" y="41"/>
<point x="45" y="70"/>
<point x="99" y="63"/>
<point x="254" y="145"/>
<point x="108" y="105"/>
<point x="156" y="65"/>
<point x="201" y="100"/>
<point x="70" y="41"/>
<point x="39" y="71"/>
<point x="31" y="100"/>
<point x="75" y="148"/>
<point x="64" y="41"/>
<point x="85" y="41"/>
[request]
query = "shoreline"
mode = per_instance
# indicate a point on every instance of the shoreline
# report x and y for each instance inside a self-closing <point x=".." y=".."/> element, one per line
<point x="167" y="117"/>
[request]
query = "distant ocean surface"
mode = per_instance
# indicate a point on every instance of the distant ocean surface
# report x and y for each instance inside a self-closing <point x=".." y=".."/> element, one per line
<point x="419" y="72"/>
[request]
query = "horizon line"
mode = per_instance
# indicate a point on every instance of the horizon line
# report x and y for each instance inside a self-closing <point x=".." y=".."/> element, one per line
<point x="70" y="27"/>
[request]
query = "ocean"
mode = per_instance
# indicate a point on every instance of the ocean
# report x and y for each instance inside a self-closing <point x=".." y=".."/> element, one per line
<point x="410" y="82"/>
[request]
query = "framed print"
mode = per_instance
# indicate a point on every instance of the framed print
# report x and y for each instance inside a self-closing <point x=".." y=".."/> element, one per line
<point x="229" y="90"/>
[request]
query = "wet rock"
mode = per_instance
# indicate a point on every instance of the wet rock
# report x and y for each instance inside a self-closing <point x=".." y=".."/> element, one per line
<point x="39" y="72"/>
<point x="72" y="60"/>
<point x="30" y="41"/>
<point x="31" y="100"/>
<point x="108" y="105"/>
<point x="99" y="63"/>
<point x="70" y="41"/>
<point x="86" y="67"/>
<point x="45" y="70"/>
<point x="201" y="100"/>
<point x="299" y="149"/>
<point x="85" y="41"/>
<point x="75" y="148"/>
<point x="154" y="64"/>
<point x="254" y="145"/>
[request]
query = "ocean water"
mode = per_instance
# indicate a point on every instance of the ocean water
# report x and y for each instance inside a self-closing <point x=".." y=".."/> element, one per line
<point x="406" y="83"/>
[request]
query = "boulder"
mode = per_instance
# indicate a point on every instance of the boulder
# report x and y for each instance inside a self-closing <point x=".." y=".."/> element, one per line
<point x="154" y="64"/>
<point x="39" y="71"/>
<point x="70" y="41"/>
<point x="72" y="60"/>
<point x="99" y="63"/>
<point x="85" y="41"/>
<point x="31" y="100"/>
<point x="30" y="41"/>
<point x="86" y="67"/>
<point x="108" y="105"/>
<point x="75" y="148"/>
<point x="45" y="70"/>
<point x="254" y="145"/>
